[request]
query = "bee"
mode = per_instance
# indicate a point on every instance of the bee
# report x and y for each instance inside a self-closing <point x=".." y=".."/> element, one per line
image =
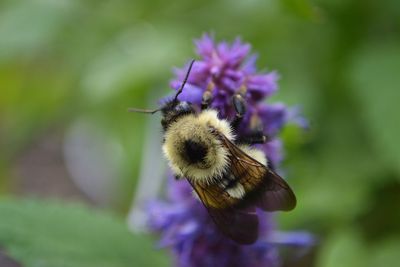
<point x="229" y="176"/>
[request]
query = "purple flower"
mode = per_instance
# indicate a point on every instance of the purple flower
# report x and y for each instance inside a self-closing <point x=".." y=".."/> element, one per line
<point x="182" y="220"/>
<point x="188" y="230"/>
<point x="227" y="68"/>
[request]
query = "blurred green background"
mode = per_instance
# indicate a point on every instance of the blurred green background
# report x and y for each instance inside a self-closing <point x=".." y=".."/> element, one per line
<point x="70" y="69"/>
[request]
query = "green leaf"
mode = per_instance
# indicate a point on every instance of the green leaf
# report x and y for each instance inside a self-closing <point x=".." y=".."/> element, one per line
<point x="301" y="8"/>
<point x="44" y="234"/>
<point x="343" y="248"/>
<point x="347" y="248"/>
<point x="387" y="253"/>
<point x="375" y="78"/>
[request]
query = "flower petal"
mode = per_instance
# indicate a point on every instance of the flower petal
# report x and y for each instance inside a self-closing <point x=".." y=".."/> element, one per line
<point x="205" y="46"/>
<point x="273" y="117"/>
<point x="262" y="85"/>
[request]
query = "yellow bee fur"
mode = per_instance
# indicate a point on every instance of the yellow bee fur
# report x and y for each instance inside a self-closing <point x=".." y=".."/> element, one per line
<point x="196" y="127"/>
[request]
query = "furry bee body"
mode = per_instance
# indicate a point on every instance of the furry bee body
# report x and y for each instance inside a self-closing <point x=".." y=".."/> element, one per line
<point x="229" y="178"/>
<point x="194" y="151"/>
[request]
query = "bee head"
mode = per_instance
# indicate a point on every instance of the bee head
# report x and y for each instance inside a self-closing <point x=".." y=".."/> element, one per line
<point x="173" y="110"/>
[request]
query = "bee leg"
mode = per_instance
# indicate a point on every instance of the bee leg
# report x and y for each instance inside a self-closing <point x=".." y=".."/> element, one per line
<point x="240" y="106"/>
<point x="207" y="96"/>
<point x="253" y="139"/>
<point x="206" y="100"/>
<point x="256" y="134"/>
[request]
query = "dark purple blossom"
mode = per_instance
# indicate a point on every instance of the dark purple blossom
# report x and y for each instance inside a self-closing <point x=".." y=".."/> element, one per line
<point x="228" y="68"/>
<point x="188" y="230"/>
<point x="182" y="220"/>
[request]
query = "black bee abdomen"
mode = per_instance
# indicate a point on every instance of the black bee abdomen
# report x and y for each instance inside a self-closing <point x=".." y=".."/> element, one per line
<point x="194" y="152"/>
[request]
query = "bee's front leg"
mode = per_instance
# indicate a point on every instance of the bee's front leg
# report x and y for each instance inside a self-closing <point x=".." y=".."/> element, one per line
<point x="207" y="96"/>
<point x="206" y="100"/>
<point x="256" y="132"/>
<point x="253" y="139"/>
<point x="240" y="105"/>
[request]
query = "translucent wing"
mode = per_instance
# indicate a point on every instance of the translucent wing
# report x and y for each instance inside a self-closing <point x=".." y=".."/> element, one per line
<point x="262" y="186"/>
<point x="236" y="217"/>
<point x="239" y="224"/>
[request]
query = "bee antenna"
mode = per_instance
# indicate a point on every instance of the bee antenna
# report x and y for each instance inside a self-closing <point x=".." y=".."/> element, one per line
<point x="184" y="81"/>
<point x="147" y="111"/>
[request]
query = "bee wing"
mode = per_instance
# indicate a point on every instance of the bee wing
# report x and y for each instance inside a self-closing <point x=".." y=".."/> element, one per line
<point x="262" y="185"/>
<point x="278" y="194"/>
<point x="239" y="224"/>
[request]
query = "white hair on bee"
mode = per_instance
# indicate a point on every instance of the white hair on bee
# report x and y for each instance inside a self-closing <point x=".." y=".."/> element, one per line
<point x="237" y="191"/>
<point x="255" y="153"/>
<point x="196" y="128"/>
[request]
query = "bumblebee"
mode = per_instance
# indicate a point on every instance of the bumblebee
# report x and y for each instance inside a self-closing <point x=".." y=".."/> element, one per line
<point x="228" y="175"/>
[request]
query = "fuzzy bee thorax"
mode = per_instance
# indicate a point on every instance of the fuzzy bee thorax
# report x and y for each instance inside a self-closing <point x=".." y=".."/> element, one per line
<point x="193" y="149"/>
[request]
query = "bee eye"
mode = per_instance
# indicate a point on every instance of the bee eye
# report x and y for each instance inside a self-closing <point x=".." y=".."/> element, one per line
<point x="194" y="152"/>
